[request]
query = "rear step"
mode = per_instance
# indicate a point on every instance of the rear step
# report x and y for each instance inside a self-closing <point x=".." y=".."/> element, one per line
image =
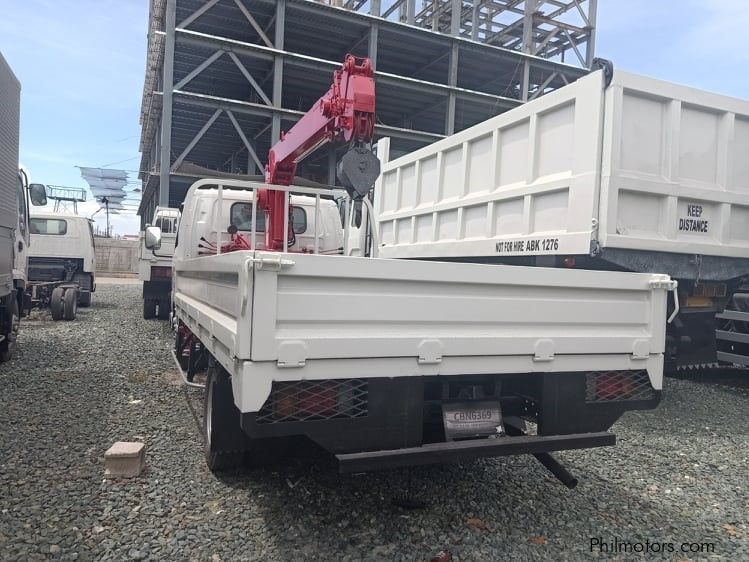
<point x="732" y="341"/>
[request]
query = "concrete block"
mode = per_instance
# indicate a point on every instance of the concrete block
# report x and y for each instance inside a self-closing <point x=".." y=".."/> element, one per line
<point x="125" y="459"/>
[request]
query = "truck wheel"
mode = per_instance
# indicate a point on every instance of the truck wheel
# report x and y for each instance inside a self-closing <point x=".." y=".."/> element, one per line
<point x="164" y="306"/>
<point x="224" y="438"/>
<point x="12" y="322"/>
<point x="84" y="283"/>
<point x="56" y="304"/>
<point x="70" y="304"/>
<point x="149" y="309"/>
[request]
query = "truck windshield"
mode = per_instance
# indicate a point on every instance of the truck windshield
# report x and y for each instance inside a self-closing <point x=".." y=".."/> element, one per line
<point x="241" y="217"/>
<point x="48" y="226"/>
<point x="168" y="225"/>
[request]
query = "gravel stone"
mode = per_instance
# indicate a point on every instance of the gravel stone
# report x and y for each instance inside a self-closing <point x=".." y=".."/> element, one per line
<point x="678" y="474"/>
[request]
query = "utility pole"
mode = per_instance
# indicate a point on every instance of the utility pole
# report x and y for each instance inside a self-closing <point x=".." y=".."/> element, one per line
<point x="105" y="200"/>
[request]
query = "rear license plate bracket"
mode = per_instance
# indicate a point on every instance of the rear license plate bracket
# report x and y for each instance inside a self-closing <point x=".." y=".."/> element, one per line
<point x="469" y="419"/>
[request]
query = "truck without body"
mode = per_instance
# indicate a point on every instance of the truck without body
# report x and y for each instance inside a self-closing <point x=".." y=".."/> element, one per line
<point x="398" y="362"/>
<point x="614" y="172"/>
<point x="62" y="263"/>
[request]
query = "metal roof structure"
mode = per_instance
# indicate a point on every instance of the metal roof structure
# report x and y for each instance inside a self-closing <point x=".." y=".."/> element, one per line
<point x="225" y="77"/>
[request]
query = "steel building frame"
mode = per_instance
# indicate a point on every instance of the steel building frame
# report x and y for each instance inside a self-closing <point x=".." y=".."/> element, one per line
<point x="225" y="77"/>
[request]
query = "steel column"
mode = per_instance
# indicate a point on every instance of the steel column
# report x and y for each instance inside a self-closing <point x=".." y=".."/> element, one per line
<point x="374" y="33"/>
<point x="452" y="96"/>
<point x="166" y="109"/>
<point x="475" y="20"/>
<point x="591" y="47"/>
<point x="279" y="37"/>
<point x="410" y="11"/>
<point x="528" y="46"/>
<point x="455" y="17"/>
<point x="332" y="163"/>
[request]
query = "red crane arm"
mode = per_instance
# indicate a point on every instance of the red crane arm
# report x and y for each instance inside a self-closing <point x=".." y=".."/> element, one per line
<point x="345" y="114"/>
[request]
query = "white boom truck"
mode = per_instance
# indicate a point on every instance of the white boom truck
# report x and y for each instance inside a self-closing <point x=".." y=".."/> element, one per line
<point x="15" y="197"/>
<point x="616" y="173"/>
<point x="399" y="362"/>
<point x="155" y="266"/>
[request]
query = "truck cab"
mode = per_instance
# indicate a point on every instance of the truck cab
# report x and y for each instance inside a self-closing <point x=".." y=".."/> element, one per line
<point x="62" y="249"/>
<point x="155" y="266"/>
<point x="203" y="212"/>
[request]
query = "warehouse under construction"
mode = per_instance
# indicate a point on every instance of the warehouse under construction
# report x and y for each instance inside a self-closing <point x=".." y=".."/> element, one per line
<point x="224" y="78"/>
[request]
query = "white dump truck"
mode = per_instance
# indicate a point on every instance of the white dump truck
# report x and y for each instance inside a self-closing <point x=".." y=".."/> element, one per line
<point x="62" y="264"/>
<point x="155" y="265"/>
<point x="614" y="172"/>
<point x="387" y="362"/>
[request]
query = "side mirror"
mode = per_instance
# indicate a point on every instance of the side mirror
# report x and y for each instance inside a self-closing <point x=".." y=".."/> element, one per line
<point x="38" y="194"/>
<point x="153" y="237"/>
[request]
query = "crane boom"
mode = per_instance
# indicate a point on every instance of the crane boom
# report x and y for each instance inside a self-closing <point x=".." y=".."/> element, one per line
<point x="345" y="115"/>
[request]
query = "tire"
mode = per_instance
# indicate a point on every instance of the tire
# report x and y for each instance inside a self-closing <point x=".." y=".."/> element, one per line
<point x="149" y="309"/>
<point x="13" y="322"/>
<point x="225" y="442"/>
<point x="164" y="309"/>
<point x="84" y="282"/>
<point x="70" y="304"/>
<point x="56" y="304"/>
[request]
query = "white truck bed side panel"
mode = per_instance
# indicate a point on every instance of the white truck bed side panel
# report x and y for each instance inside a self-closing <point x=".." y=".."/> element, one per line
<point x="333" y="307"/>
<point x="525" y="181"/>
<point x="327" y="317"/>
<point x="675" y="174"/>
<point x="210" y="294"/>
<point x="641" y="165"/>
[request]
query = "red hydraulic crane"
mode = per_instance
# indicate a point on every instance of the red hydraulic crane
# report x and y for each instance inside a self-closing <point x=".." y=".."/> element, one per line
<point x="345" y="115"/>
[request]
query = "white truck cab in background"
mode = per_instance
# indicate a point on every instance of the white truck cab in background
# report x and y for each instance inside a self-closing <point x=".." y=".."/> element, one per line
<point x="236" y="208"/>
<point x="155" y="266"/>
<point x="62" y="251"/>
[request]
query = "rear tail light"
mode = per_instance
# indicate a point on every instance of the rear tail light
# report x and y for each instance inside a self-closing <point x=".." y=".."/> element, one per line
<point x="315" y="400"/>
<point x="615" y="386"/>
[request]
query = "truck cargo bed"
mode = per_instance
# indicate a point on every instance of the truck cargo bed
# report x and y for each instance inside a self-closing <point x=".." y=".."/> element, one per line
<point x="277" y="317"/>
<point x="635" y="165"/>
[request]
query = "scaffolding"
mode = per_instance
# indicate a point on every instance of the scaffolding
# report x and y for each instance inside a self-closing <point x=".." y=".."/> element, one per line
<point x="66" y="198"/>
<point x="552" y="29"/>
<point x="225" y="77"/>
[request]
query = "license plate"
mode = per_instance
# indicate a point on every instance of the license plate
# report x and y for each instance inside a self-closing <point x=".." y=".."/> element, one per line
<point x="472" y="419"/>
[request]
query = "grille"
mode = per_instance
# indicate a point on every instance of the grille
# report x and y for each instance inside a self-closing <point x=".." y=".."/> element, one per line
<point x="315" y="400"/>
<point x="618" y="386"/>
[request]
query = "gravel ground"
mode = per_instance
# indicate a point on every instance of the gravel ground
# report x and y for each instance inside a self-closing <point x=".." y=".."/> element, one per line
<point x="679" y="474"/>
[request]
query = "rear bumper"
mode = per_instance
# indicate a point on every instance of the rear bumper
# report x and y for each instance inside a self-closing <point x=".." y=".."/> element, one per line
<point x="438" y="453"/>
<point x="381" y="423"/>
